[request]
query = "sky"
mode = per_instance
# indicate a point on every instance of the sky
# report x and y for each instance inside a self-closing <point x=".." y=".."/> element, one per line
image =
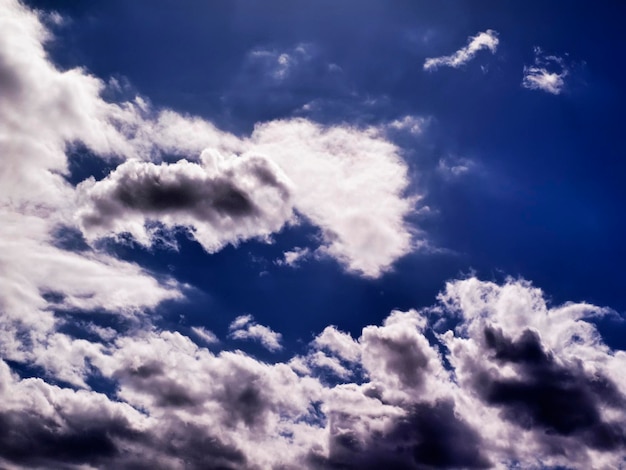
<point x="277" y="234"/>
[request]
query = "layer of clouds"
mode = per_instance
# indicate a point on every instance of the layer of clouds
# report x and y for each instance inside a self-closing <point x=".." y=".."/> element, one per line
<point x="547" y="73"/>
<point x="514" y="382"/>
<point x="487" y="40"/>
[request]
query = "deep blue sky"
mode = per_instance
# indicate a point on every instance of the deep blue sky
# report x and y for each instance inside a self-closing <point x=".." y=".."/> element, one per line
<point x="546" y="199"/>
<point x="510" y="161"/>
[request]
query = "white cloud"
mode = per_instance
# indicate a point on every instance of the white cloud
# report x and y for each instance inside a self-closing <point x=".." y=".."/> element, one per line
<point x="244" y="327"/>
<point x="508" y="346"/>
<point x="350" y="183"/>
<point x="294" y="257"/>
<point x="205" y="335"/>
<point x="484" y="40"/>
<point x="413" y="124"/>
<point x="547" y="73"/>
<point x="339" y="343"/>
<point x="454" y="167"/>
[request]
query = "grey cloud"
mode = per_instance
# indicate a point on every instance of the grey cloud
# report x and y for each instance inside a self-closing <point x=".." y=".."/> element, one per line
<point x="223" y="200"/>
<point x="561" y="399"/>
<point x="428" y="436"/>
<point x="510" y="394"/>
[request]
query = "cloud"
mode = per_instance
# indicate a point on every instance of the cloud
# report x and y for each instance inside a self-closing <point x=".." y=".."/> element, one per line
<point x="244" y="327"/>
<point x="514" y="382"/>
<point x="228" y="189"/>
<point x="205" y="335"/>
<point x="349" y="182"/>
<point x="294" y="257"/>
<point x="223" y="200"/>
<point x="484" y="40"/>
<point x="547" y="73"/>
<point x="455" y="167"/>
<point x="412" y="124"/>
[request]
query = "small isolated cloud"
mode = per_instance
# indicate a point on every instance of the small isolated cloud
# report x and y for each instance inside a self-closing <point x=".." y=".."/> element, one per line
<point x="294" y="257"/>
<point x="485" y="40"/>
<point x="547" y="73"/>
<point x="244" y="327"/>
<point x="278" y="65"/>
<point x="412" y="124"/>
<point x="454" y="167"/>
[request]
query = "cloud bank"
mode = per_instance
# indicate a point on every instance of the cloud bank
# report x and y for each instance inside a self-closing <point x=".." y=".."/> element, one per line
<point x="513" y="383"/>
<point x="484" y="40"/>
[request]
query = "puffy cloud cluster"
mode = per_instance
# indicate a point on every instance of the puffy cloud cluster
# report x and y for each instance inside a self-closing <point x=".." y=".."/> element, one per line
<point x="514" y="383"/>
<point x="547" y="73"/>
<point x="484" y="40"/>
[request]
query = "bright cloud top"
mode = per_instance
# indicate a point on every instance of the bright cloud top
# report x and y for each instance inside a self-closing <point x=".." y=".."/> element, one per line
<point x="516" y="382"/>
<point x="485" y="40"/>
<point x="547" y="73"/>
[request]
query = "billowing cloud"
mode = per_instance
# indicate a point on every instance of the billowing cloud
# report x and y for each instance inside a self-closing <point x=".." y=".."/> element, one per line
<point x="350" y="183"/>
<point x="484" y="40"/>
<point x="547" y="73"/>
<point x="515" y="382"/>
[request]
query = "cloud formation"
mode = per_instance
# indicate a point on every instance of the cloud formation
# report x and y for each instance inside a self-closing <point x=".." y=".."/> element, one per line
<point x="515" y="382"/>
<point x="547" y="73"/>
<point x="222" y="200"/>
<point x="484" y="40"/>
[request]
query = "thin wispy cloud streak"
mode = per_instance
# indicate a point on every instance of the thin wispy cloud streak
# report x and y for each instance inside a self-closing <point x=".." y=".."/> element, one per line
<point x="486" y="40"/>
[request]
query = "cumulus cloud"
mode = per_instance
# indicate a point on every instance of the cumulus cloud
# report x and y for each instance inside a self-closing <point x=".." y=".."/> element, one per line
<point x="515" y="382"/>
<point x="223" y="200"/>
<point x="484" y="40"/>
<point x="547" y="73"/>
<point x="244" y="327"/>
<point x="364" y="229"/>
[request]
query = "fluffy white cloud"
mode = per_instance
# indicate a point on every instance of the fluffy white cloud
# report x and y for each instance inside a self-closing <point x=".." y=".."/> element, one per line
<point x="244" y="327"/>
<point x="349" y="182"/>
<point x="547" y="73"/>
<point x="484" y="40"/>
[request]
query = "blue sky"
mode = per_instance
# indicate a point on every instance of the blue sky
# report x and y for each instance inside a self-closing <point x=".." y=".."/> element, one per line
<point x="278" y="234"/>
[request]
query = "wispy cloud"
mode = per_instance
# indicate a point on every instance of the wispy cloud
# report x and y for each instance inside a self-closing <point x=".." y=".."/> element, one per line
<point x="547" y="73"/>
<point x="484" y="40"/>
